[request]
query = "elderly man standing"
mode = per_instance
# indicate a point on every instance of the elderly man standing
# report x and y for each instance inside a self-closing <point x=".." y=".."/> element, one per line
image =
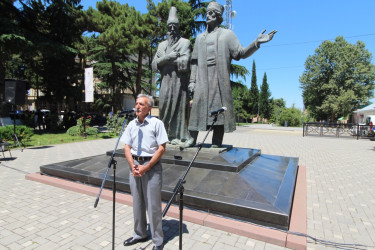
<point x="172" y="61"/>
<point x="145" y="139"/>
<point x="210" y="74"/>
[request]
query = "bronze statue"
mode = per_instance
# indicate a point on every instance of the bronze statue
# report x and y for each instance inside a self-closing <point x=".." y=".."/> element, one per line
<point x="172" y="61"/>
<point x="210" y="77"/>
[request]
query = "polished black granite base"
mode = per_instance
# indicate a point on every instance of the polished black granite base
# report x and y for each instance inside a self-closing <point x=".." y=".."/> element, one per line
<point x="235" y="182"/>
<point x="226" y="158"/>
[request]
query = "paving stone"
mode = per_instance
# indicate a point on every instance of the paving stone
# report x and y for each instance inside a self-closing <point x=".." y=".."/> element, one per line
<point x="10" y="239"/>
<point x="340" y="186"/>
<point x="12" y="246"/>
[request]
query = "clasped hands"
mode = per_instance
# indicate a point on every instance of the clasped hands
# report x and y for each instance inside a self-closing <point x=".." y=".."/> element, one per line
<point x="138" y="170"/>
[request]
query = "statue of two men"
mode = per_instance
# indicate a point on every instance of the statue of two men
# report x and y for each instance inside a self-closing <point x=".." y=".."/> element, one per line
<point x="209" y="78"/>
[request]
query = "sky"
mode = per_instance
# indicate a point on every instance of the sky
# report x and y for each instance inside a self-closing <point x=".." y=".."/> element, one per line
<point x="302" y="25"/>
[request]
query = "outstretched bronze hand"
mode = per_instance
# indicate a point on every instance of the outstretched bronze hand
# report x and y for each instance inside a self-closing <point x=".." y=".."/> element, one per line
<point x="265" y="38"/>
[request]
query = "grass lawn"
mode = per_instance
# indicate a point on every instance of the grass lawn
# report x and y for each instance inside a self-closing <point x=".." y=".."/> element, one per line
<point x="44" y="139"/>
<point x="244" y="123"/>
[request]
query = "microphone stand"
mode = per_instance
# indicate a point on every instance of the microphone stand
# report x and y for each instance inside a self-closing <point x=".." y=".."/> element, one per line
<point x="179" y="188"/>
<point x="113" y="162"/>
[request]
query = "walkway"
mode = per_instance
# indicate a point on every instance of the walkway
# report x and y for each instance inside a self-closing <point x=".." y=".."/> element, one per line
<point x="340" y="197"/>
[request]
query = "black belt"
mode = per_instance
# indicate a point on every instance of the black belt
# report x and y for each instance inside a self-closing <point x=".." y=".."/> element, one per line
<point x="141" y="158"/>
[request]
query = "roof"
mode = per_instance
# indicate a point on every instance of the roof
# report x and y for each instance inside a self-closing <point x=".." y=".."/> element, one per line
<point x="370" y="107"/>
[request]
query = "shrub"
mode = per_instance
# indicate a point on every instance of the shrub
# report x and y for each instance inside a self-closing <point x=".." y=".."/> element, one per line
<point x="92" y="131"/>
<point x="79" y="129"/>
<point x="80" y="125"/>
<point x="23" y="133"/>
<point x="291" y="115"/>
<point x="115" y="123"/>
<point x="73" y="131"/>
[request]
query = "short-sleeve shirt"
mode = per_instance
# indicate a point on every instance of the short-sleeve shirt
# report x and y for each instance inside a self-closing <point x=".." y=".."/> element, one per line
<point x="145" y="138"/>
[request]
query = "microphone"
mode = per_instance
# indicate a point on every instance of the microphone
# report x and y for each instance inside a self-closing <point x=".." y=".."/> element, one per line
<point x="217" y="112"/>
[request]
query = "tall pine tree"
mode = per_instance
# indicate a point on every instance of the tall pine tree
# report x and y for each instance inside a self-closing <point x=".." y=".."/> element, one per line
<point x="264" y="99"/>
<point x="53" y="30"/>
<point x="123" y="42"/>
<point x="254" y="93"/>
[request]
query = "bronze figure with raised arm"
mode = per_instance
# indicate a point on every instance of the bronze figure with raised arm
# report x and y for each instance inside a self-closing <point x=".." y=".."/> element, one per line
<point x="210" y="74"/>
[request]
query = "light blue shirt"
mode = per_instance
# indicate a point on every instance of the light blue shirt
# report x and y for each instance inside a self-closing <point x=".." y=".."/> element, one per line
<point x="145" y="138"/>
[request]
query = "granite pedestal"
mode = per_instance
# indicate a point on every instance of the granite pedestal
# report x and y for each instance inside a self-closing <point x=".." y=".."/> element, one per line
<point x="239" y="183"/>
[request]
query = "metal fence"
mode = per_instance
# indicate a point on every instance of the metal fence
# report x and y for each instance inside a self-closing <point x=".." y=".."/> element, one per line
<point x="338" y="130"/>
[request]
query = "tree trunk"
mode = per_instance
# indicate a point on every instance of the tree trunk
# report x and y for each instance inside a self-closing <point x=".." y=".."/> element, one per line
<point x="2" y="86"/>
<point x="139" y="74"/>
<point x="114" y="87"/>
<point x="37" y="104"/>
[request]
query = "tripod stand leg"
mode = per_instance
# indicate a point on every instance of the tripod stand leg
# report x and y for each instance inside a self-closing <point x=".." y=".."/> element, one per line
<point x="16" y="140"/>
<point x="179" y="187"/>
<point x="181" y="215"/>
<point x="114" y="204"/>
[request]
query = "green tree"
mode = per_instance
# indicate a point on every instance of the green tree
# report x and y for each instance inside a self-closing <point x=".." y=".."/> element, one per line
<point x="126" y="38"/>
<point x="126" y="41"/>
<point x="264" y="99"/>
<point x="155" y="38"/>
<point x="240" y="94"/>
<point x="111" y="47"/>
<point x="277" y="106"/>
<point x="145" y="23"/>
<point x="38" y="40"/>
<point x="253" y="105"/>
<point x="238" y="71"/>
<point x="292" y="116"/>
<point x="190" y="15"/>
<point x="53" y="30"/>
<point x="9" y="35"/>
<point x="12" y="42"/>
<point x="337" y="79"/>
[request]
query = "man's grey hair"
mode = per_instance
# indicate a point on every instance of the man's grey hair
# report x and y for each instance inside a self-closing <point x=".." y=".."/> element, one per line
<point x="150" y="99"/>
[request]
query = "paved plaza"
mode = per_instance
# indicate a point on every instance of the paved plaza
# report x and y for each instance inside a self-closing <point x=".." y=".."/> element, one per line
<point x="340" y="197"/>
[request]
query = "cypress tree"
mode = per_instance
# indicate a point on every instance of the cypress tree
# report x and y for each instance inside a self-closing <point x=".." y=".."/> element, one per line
<point x="254" y="93"/>
<point x="264" y="99"/>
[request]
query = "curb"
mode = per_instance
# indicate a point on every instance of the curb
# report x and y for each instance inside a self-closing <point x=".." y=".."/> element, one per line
<point x="298" y="222"/>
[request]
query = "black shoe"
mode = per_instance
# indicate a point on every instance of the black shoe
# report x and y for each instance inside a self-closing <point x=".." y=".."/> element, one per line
<point x="158" y="247"/>
<point x="132" y="241"/>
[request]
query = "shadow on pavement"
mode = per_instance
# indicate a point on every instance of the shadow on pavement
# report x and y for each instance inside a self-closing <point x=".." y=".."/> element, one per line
<point x="171" y="230"/>
<point x="8" y="159"/>
<point x="18" y="170"/>
<point x="42" y="147"/>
